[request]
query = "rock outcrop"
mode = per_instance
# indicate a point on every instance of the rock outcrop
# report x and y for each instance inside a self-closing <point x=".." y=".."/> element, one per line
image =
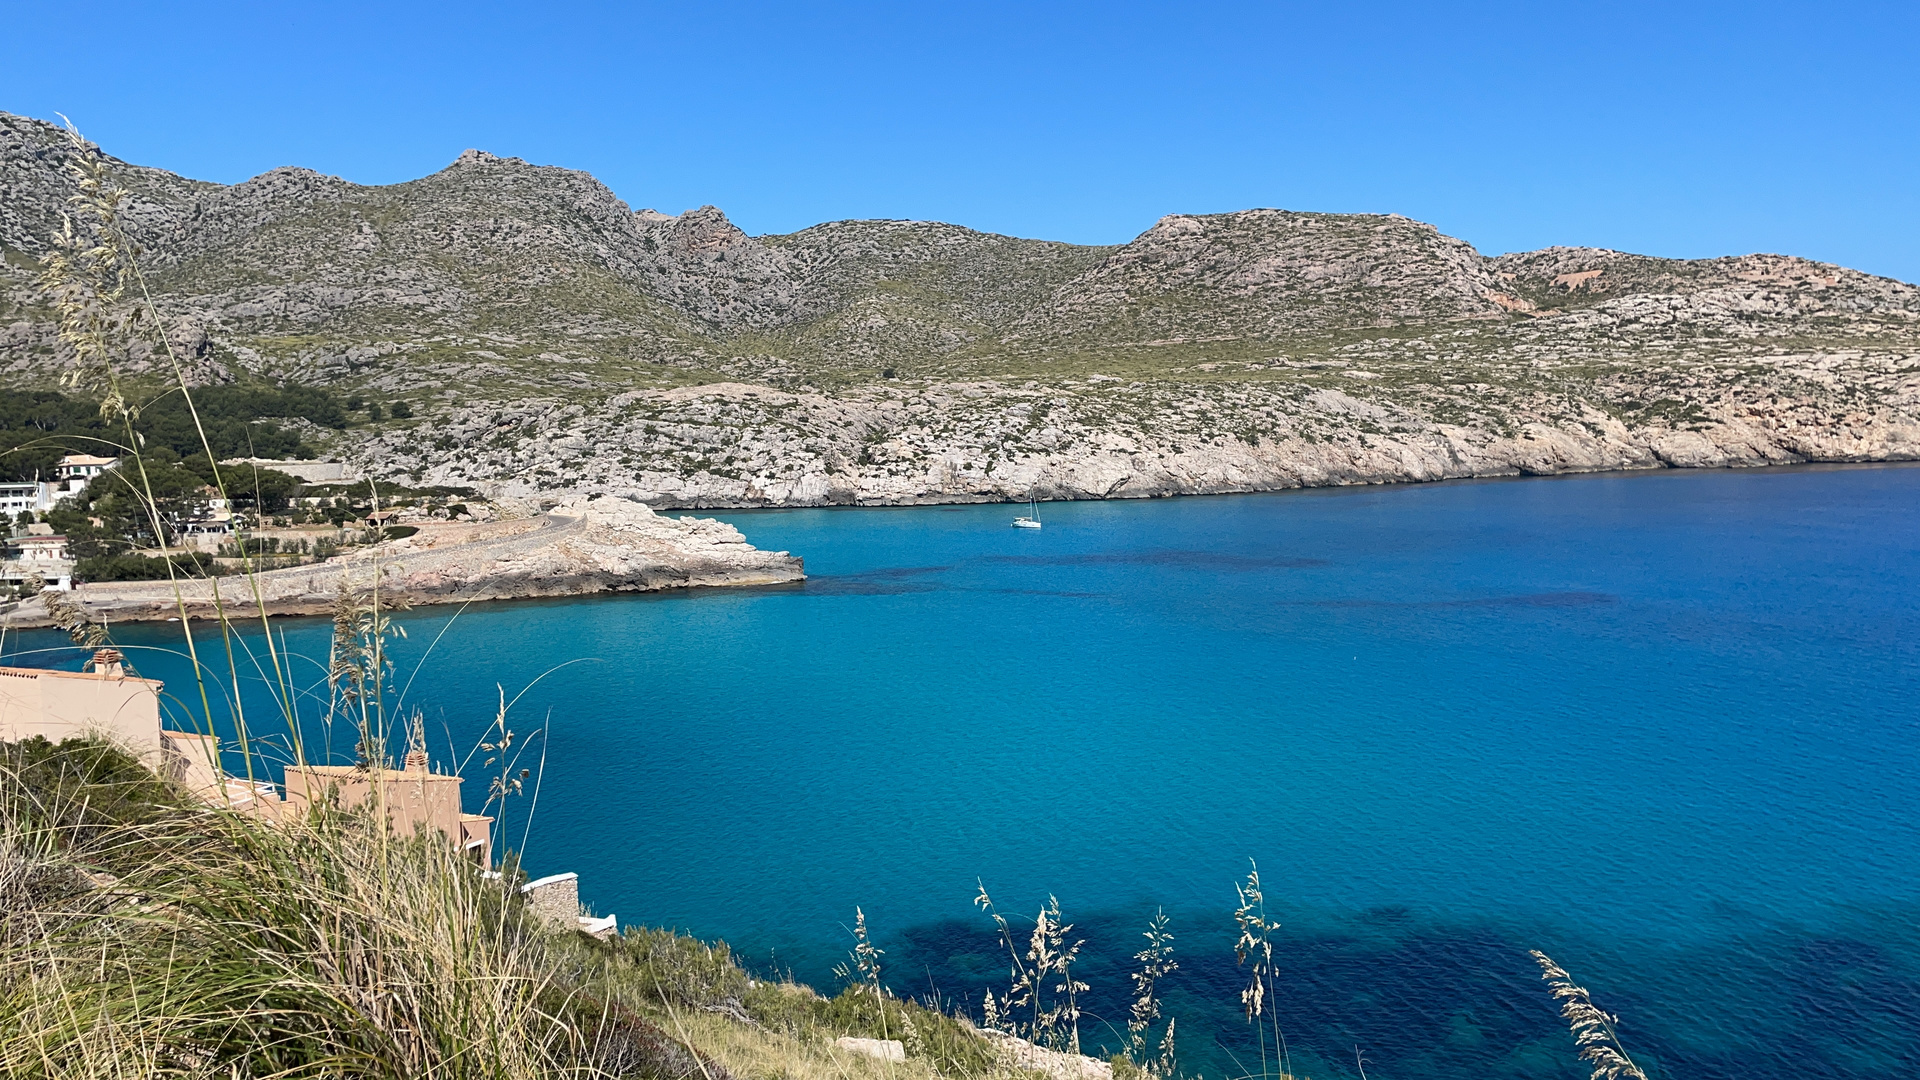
<point x="584" y="545"/>
<point x="1024" y="1056"/>
<point x="1268" y="272"/>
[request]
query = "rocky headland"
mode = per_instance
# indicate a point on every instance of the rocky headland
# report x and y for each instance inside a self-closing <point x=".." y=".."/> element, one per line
<point x="584" y="545"/>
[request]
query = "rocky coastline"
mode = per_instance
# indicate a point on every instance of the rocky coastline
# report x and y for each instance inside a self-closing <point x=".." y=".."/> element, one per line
<point x="990" y="442"/>
<point x="583" y="545"/>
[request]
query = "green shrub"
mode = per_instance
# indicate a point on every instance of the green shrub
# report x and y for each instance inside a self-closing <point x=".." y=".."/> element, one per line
<point x="678" y="970"/>
<point x="80" y="790"/>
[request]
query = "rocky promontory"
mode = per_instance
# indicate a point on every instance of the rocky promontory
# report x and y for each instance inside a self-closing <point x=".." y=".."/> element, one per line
<point x="584" y="545"/>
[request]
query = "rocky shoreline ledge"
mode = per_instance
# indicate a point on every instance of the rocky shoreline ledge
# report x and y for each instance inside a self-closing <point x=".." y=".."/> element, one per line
<point x="582" y="546"/>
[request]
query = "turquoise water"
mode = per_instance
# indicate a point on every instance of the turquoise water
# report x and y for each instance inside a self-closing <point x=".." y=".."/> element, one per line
<point x="1663" y="727"/>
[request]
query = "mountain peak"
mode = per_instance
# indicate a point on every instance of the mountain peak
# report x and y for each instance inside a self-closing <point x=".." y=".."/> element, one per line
<point x="481" y="157"/>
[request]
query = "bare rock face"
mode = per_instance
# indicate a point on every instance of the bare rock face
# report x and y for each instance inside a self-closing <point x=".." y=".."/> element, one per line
<point x="1713" y="292"/>
<point x="586" y="545"/>
<point x="703" y="264"/>
<point x="1269" y="271"/>
<point x="986" y="441"/>
<point x="35" y="181"/>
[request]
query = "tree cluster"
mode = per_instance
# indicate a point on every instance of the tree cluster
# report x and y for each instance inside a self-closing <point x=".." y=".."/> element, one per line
<point x="121" y="508"/>
<point x="37" y="428"/>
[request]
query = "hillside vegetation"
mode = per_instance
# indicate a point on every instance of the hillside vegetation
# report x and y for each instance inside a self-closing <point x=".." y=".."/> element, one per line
<point x="142" y="934"/>
<point x="542" y="334"/>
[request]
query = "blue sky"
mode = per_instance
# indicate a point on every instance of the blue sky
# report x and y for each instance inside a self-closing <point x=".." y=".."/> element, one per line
<point x="1673" y="128"/>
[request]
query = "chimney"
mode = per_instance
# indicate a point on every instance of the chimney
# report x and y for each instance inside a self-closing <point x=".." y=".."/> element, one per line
<point x="416" y="760"/>
<point x="108" y="662"/>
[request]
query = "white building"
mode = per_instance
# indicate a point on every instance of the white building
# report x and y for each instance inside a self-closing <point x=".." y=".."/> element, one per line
<point x="75" y="471"/>
<point x="34" y="496"/>
<point x="40" y="554"/>
<point x="42" y="548"/>
<point x="72" y="475"/>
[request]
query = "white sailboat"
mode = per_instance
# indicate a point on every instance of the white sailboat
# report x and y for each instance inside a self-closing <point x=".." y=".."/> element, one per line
<point x="1032" y="518"/>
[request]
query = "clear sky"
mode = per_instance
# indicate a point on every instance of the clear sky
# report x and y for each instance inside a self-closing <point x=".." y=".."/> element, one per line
<point x="1685" y="129"/>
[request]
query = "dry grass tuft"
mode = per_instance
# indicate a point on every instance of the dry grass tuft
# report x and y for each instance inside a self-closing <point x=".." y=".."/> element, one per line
<point x="1156" y="963"/>
<point x="1254" y="948"/>
<point x="1593" y="1030"/>
<point x="1042" y="1002"/>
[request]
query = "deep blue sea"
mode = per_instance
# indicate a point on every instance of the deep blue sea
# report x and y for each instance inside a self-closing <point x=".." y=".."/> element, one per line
<point x="1664" y="727"/>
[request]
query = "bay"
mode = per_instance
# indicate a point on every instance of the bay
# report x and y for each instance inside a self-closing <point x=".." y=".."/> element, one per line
<point x="1661" y="726"/>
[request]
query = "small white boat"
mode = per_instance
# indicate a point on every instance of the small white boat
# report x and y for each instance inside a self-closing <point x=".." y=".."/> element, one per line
<point x="1032" y="518"/>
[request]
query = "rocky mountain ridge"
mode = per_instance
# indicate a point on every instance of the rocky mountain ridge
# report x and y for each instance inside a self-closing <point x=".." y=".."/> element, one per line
<point x="549" y="336"/>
